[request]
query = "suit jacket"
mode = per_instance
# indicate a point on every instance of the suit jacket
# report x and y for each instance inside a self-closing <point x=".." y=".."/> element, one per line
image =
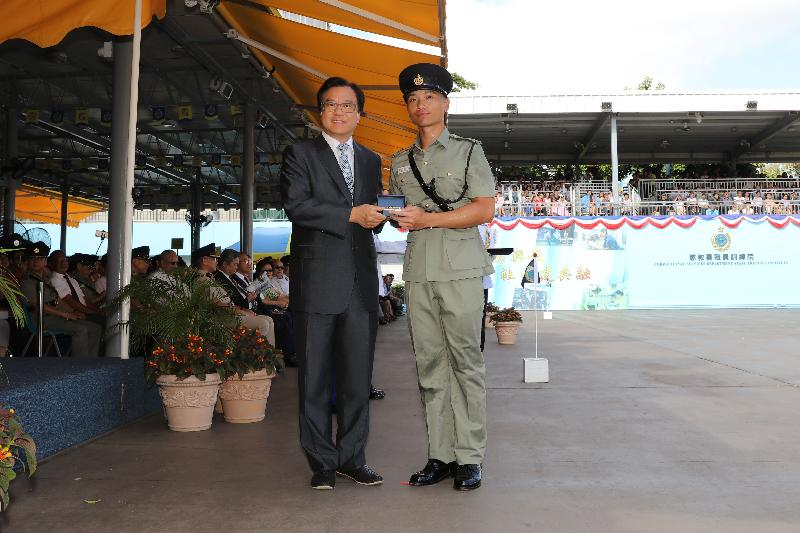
<point x="234" y="294"/>
<point x="329" y="254"/>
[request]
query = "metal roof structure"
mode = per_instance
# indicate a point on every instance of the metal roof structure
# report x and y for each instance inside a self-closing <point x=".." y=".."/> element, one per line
<point x="652" y="126"/>
<point x="185" y="60"/>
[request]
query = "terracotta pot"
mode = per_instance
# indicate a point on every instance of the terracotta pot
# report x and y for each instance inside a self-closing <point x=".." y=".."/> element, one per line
<point x="506" y="332"/>
<point x="245" y="400"/>
<point x="188" y="403"/>
<point x="489" y="323"/>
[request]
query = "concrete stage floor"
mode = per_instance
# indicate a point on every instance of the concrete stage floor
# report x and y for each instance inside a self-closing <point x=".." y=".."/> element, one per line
<point x="674" y="421"/>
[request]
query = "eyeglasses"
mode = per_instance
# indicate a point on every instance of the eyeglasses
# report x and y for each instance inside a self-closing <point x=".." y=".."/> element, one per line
<point x="267" y="270"/>
<point x="278" y="268"/>
<point x="331" y="106"/>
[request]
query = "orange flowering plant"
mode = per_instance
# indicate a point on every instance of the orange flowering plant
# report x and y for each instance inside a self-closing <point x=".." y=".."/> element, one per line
<point x="17" y="452"/>
<point x="252" y="352"/>
<point x="191" y="356"/>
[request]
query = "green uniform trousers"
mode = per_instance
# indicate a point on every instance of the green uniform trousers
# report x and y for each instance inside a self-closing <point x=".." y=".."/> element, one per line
<point x="444" y="318"/>
<point x="86" y="334"/>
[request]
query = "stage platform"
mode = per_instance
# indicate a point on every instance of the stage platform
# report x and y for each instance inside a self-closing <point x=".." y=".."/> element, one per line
<point x="62" y="401"/>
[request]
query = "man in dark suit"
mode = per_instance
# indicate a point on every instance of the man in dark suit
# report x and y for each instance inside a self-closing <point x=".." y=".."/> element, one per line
<point x="329" y="187"/>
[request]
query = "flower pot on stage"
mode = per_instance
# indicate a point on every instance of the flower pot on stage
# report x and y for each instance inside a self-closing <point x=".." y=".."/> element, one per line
<point x="188" y="403"/>
<point x="506" y="332"/>
<point x="245" y="400"/>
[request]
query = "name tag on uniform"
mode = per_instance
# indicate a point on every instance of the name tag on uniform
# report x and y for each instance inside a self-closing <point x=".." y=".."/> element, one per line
<point x="401" y="170"/>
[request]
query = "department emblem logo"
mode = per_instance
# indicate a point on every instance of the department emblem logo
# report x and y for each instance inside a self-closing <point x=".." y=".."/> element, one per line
<point x="418" y="80"/>
<point x="721" y="240"/>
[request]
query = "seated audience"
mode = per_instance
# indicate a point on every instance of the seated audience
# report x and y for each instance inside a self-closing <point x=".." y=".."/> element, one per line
<point x="86" y="334"/>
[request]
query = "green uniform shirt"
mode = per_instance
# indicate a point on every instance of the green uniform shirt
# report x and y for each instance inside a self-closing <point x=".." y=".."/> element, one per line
<point x="28" y="286"/>
<point x="443" y="254"/>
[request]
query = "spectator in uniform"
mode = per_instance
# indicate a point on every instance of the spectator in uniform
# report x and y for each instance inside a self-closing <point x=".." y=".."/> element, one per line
<point x="86" y="334"/>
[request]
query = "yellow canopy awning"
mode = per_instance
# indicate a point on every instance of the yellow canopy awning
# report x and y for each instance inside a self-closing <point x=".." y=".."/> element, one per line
<point x="46" y="22"/>
<point x="41" y="205"/>
<point x="412" y="20"/>
<point x="311" y="54"/>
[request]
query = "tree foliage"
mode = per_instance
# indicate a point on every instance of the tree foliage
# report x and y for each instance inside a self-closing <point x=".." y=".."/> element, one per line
<point x="460" y="83"/>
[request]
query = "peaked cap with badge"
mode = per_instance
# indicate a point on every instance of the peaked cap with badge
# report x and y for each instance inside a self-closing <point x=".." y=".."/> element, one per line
<point x="425" y="76"/>
<point x="37" y="249"/>
<point x="14" y="240"/>
<point x="141" y="252"/>
<point x="209" y="250"/>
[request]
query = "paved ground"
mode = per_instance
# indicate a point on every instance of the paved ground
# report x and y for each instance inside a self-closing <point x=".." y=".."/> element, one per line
<point x="675" y="421"/>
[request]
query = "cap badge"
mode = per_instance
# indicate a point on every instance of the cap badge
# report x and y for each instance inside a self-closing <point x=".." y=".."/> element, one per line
<point x="418" y="80"/>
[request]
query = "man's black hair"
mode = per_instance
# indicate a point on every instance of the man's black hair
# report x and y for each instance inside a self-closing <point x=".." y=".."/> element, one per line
<point x="336" y="81"/>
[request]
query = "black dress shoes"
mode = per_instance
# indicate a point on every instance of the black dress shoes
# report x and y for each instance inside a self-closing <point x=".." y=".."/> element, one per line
<point x="376" y="394"/>
<point x="434" y="472"/>
<point x="363" y="475"/>
<point x="323" y="480"/>
<point x="468" y="477"/>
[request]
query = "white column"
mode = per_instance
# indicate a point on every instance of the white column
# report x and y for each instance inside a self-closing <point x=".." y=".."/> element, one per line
<point x="614" y="165"/>
<point x="123" y="151"/>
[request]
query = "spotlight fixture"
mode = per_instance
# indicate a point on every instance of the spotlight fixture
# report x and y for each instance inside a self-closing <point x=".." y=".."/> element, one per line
<point x="752" y="105"/>
<point x="506" y="145"/>
<point x="605" y="106"/>
<point x="508" y="128"/>
<point x="512" y="109"/>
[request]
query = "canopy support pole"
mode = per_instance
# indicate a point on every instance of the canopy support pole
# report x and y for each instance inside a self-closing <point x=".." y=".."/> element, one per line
<point x="248" y="180"/>
<point x="64" y="208"/>
<point x="614" y="165"/>
<point x="10" y="192"/>
<point x="196" y="207"/>
<point x="123" y="155"/>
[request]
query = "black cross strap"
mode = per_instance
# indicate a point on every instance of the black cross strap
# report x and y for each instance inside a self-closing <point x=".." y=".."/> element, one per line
<point x="430" y="190"/>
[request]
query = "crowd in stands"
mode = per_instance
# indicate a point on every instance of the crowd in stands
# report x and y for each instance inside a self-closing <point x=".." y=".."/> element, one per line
<point x="649" y="194"/>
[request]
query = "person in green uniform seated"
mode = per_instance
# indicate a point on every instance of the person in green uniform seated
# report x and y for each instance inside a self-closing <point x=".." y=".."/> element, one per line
<point x="86" y="334"/>
<point x="449" y="191"/>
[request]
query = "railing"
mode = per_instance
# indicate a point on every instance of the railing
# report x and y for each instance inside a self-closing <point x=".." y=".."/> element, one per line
<point x="179" y="215"/>
<point x="650" y="187"/>
<point x="644" y="208"/>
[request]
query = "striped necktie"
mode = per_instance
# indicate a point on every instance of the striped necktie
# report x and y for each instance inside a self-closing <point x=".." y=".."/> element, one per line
<point x="344" y="164"/>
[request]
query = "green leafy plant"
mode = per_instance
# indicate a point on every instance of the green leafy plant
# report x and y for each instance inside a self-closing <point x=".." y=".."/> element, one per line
<point x="491" y="307"/>
<point x="170" y="313"/>
<point x="399" y="290"/>
<point x="252" y="352"/>
<point x="17" y="453"/>
<point x="509" y="314"/>
<point x="11" y="293"/>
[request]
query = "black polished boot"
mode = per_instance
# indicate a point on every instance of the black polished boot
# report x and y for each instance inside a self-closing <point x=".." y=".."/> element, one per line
<point x="434" y="472"/>
<point x="467" y="477"/>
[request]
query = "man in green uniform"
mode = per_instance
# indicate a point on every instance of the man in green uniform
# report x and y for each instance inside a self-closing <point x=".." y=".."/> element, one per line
<point x="449" y="190"/>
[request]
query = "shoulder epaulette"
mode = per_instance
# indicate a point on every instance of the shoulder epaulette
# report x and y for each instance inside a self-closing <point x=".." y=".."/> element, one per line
<point x="399" y="152"/>
<point x="466" y="139"/>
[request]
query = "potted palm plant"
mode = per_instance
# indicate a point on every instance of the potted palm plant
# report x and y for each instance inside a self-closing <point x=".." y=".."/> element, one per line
<point x="17" y="453"/>
<point x="491" y="309"/>
<point x="253" y="364"/>
<point x="506" y="323"/>
<point x="186" y="337"/>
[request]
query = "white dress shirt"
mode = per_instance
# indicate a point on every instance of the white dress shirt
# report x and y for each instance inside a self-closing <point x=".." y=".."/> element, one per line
<point x="334" y="144"/>
<point x="62" y="286"/>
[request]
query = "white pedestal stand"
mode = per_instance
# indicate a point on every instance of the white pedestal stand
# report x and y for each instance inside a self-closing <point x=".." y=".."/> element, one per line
<point x="536" y="369"/>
